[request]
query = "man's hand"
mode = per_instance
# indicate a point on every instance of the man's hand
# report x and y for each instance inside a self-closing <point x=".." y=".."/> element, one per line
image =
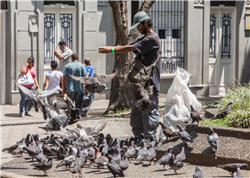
<point x="106" y="49"/>
<point x="55" y="51"/>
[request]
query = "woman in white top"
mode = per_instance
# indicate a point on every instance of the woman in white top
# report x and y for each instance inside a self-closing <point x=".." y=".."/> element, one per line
<point x="53" y="78"/>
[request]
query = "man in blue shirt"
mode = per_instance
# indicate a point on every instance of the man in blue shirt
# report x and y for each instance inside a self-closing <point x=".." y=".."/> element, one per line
<point x="90" y="73"/>
<point x="74" y="88"/>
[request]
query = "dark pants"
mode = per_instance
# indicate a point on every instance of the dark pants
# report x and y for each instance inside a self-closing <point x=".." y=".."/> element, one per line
<point x="145" y="123"/>
<point x="77" y="97"/>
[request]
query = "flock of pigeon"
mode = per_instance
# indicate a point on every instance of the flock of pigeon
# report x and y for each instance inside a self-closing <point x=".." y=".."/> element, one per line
<point x="87" y="146"/>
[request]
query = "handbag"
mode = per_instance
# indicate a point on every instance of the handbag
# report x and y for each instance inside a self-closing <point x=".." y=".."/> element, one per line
<point x="26" y="80"/>
<point x="139" y="73"/>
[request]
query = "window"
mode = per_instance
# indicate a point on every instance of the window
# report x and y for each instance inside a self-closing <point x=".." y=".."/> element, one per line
<point x="72" y="3"/>
<point x="176" y="33"/>
<point x="4" y="5"/>
<point x="226" y="3"/>
<point x="162" y="33"/>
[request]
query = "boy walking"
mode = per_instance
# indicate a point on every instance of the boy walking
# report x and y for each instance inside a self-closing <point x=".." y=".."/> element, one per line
<point x="90" y="73"/>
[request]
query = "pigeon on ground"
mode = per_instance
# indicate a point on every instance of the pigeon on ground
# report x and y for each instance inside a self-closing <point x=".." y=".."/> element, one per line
<point x="100" y="161"/>
<point x="165" y="158"/>
<point x="41" y="157"/>
<point x="167" y="132"/>
<point x="44" y="166"/>
<point x="198" y="173"/>
<point x="143" y="98"/>
<point x="181" y="156"/>
<point x="10" y="149"/>
<point x="151" y="153"/>
<point x="142" y="153"/>
<point x="184" y="136"/>
<point x="114" y="167"/>
<point x="32" y="152"/>
<point x="130" y="153"/>
<point x="223" y="113"/>
<point x="124" y="164"/>
<point x="67" y="162"/>
<point x="176" y="165"/>
<point x="232" y="168"/>
<point x="78" y="165"/>
<point x="95" y="84"/>
<point x="195" y="116"/>
<point x="117" y="157"/>
<point x="213" y="140"/>
<point x="238" y="175"/>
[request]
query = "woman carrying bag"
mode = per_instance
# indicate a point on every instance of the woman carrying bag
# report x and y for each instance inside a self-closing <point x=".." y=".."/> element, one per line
<point x="27" y="70"/>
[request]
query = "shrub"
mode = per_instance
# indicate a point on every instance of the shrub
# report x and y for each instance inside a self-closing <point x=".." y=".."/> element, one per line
<point x="239" y="116"/>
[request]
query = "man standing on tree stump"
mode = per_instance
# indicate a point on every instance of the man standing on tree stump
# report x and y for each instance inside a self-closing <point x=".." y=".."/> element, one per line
<point x="147" y="49"/>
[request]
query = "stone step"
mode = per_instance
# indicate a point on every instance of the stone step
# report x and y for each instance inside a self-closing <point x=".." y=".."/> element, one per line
<point x="234" y="146"/>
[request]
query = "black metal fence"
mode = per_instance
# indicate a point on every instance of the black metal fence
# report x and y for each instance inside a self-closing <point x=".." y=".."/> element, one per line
<point x="4" y="5"/>
<point x="168" y="23"/>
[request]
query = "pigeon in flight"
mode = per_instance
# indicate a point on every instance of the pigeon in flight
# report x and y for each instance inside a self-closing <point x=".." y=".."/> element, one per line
<point x="95" y="84"/>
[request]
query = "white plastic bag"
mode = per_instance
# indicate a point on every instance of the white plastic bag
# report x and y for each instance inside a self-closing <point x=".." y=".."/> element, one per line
<point x="178" y="101"/>
<point x="26" y="80"/>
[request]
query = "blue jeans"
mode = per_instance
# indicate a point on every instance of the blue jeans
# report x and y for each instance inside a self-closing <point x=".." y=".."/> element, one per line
<point x="76" y="97"/>
<point x="146" y="123"/>
<point x="23" y="98"/>
<point x="92" y="97"/>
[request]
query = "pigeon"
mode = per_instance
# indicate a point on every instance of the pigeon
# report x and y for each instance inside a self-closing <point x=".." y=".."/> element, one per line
<point x="41" y="157"/>
<point x="67" y="162"/>
<point x="165" y="158"/>
<point x="184" y="136"/>
<point x="142" y="153"/>
<point x="100" y="161"/>
<point x="213" y="140"/>
<point x="117" y="156"/>
<point x="78" y="165"/>
<point x="167" y="132"/>
<point x="223" y="113"/>
<point x="175" y="164"/>
<point x="238" y="175"/>
<point x="95" y="84"/>
<point x="124" y="164"/>
<point x="151" y="153"/>
<point x="44" y="166"/>
<point x="104" y="147"/>
<point x="114" y="168"/>
<point x="198" y="173"/>
<point x="130" y="153"/>
<point x="195" y="116"/>
<point x="181" y="156"/>
<point x="232" y="168"/>
<point x="34" y="95"/>
<point x="32" y="152"/>
<point x="143" y="98"/>
<point x="10" y="149"/>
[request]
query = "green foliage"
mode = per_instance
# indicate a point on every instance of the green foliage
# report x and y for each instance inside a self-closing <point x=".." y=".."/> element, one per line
<point x="239" y="116"/>
<point x="123" y="111"/>
<point x="209" y="104"/>
<point x="220" y="122"/>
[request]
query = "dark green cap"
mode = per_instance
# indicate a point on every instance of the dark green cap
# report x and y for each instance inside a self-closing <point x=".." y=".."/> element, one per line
<point x="138" y="18"/>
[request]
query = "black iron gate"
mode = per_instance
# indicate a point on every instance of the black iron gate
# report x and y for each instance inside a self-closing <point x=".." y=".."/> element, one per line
<point x="168" y="23"/>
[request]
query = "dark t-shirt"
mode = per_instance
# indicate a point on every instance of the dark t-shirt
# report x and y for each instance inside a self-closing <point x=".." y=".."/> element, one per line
<point x="148" y="47"/>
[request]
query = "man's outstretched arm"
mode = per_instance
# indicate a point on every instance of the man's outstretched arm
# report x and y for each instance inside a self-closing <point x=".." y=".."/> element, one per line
<point x="117" y="49"/>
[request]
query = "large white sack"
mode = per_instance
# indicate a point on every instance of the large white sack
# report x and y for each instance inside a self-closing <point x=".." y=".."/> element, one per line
<point x="178" y="101"/>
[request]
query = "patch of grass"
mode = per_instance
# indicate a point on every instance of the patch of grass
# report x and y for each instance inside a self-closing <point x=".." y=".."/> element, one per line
<point x="209" y="104"/>
<point x="220" y="122"/>
<point x="123" y="111"/>
<point x="163" y="106"/>
<point x="239" y="116"/>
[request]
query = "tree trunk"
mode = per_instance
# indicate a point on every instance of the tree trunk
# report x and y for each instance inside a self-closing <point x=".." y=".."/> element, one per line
<point x="121" y="96"/>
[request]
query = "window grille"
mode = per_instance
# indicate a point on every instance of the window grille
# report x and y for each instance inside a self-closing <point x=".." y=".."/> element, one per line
<point x="66" y="29"/>
<point x="49" y="37"/>
<point x="168" y="22"/>
<point x="226" y="36"/>
<point x="212" y="40"/>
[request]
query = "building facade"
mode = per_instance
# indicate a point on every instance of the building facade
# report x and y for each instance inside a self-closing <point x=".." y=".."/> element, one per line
<point x="210" y="39"/>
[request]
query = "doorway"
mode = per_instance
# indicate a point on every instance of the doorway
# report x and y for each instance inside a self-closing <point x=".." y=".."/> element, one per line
<point x="221" y="49"/>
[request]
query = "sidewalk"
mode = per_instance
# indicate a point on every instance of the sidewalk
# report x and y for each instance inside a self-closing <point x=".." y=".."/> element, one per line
<point x="10" y="113"/>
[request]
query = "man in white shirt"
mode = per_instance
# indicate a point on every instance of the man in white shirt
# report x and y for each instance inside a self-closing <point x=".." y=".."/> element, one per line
<point x="65" y="58"/>
<point x="53" y="77"/>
